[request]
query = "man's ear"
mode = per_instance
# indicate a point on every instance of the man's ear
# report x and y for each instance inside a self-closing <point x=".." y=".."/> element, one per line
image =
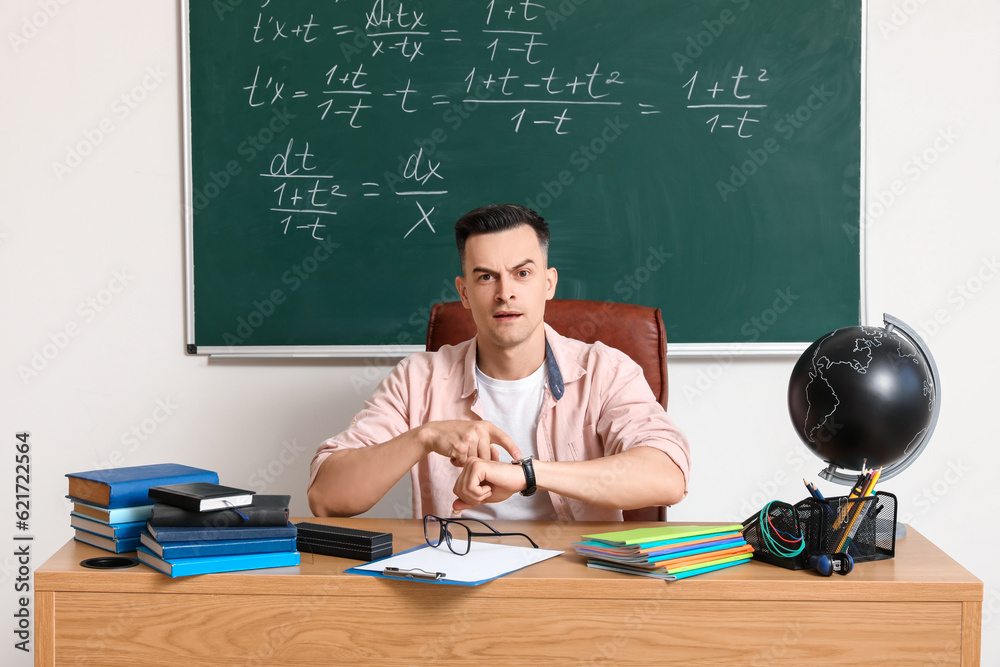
<point x="552" y="279"/>
<point x="462" y="292"/>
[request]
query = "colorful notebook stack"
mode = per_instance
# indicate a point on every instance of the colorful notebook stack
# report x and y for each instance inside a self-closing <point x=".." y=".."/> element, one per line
<point x="182" y="539"/>
<point x="110" y="507"/>
<point x="666" y="552"/>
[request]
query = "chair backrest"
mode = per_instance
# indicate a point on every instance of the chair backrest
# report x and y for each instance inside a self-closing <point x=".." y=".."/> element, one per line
<point x="638" y="331"/>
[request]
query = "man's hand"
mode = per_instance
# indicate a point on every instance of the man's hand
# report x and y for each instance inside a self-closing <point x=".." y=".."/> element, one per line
<point x="463" y="441"/>
<point x="487" y="482"/>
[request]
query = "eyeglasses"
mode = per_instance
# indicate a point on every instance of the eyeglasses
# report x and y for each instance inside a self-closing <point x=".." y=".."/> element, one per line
<point x="457" y="535"/>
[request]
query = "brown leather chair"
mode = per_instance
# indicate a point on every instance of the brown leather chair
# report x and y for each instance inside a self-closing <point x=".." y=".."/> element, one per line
<point x="638" y="331"/>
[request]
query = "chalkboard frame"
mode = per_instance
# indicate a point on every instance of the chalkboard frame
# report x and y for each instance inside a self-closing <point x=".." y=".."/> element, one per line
<point x="732" y="350"/>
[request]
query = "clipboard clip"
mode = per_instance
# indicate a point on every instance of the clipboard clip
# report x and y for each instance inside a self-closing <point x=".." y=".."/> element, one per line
<point x="413" y="573"/>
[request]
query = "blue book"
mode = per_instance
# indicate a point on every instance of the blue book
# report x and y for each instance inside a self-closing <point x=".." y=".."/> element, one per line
<point x="118" y="546"/>
<point x="183" y="567"/>
<point x="164" y="534"/>
<point x="126" y="487"/>
<point x="118" y="515"/>
<point x="112" y="530"/>
<point x="172" y="550"/>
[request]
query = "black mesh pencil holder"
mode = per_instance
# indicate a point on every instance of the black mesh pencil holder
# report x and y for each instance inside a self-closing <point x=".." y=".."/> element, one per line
<point x="863" y="527"/>
<point x="775" y="533"/>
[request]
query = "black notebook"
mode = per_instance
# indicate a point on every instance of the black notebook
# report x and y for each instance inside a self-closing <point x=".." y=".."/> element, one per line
<point x="266" y="510"/>
<point x="201" y="496"/>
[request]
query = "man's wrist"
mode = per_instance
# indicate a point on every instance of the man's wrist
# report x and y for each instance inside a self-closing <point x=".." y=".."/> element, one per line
<point x="527" y="466"/>
<point x="424" y="438"/>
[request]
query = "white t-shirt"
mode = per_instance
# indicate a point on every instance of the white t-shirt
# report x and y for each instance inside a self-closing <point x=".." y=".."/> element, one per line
<point x="514" y="407"/>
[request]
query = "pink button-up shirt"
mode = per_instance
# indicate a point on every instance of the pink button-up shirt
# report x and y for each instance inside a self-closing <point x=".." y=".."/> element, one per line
<point x="597" y="403"/>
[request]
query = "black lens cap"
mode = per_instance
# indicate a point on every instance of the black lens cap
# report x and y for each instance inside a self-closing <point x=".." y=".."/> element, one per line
<point x="109" y="562"/>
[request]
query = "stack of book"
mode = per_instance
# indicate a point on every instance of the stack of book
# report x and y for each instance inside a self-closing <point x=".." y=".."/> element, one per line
<point x="666" y="552"/>
<point x="110" y="507"/>
<point x="199" y="529"/>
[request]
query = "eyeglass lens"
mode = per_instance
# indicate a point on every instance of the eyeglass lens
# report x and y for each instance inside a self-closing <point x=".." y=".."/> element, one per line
<point x="459" y="538"/>
<point x="433" y="530"/>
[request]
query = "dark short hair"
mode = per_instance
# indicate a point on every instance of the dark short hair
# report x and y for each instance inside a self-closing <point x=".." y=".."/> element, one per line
<point x="499" y="218"/>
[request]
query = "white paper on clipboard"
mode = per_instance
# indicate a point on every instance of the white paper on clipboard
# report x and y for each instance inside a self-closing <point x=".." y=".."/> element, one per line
<point x="484" y="562"/>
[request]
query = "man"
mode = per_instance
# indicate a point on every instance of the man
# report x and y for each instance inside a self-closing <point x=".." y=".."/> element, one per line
<point x="456" y="418"/>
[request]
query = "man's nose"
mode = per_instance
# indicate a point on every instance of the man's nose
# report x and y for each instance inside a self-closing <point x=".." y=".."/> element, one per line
<point x="505" y="289"/>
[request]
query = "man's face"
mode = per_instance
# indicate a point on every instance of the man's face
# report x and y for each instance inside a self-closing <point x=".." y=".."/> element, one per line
<point x="505" y="284"/>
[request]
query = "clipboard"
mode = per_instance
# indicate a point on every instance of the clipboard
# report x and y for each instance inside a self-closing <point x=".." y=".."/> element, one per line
<point x="438" y="565"/>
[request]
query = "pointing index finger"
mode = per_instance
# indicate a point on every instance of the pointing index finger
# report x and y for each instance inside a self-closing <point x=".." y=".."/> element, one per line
<point x="505" y="441"/>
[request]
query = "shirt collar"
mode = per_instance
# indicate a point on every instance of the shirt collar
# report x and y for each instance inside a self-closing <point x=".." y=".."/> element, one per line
<point x="555" y="350"/>
<point x="556" y="384"/>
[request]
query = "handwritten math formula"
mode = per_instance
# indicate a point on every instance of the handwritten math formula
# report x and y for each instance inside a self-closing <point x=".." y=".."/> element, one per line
<point x="377" y="63"/>
<point x="349" y="91"/>
<point x="728" y="105"/>
<point x="513" y="36"/>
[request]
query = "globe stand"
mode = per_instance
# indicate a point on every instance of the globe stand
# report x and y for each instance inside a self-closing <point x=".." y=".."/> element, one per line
<point x="833" y="472"/>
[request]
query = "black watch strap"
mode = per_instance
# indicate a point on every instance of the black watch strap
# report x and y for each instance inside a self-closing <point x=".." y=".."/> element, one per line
<point x="529" y="475"/>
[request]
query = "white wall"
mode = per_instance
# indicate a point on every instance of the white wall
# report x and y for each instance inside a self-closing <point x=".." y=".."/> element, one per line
<point x="110" y="231"/>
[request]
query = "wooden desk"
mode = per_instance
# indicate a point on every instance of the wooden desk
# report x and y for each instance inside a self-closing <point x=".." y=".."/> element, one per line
<point x="921" y="608"/>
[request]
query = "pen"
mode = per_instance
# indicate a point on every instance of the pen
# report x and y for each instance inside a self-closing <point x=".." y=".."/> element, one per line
<point x="415" y="573"/>
<point x="859" y="486"/>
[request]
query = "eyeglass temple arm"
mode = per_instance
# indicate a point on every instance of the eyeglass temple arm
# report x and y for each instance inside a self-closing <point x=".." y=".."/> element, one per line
<point x="496" y="533"/>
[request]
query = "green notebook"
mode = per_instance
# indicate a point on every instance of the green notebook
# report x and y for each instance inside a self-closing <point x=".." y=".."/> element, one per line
<point x="621" y="538"/>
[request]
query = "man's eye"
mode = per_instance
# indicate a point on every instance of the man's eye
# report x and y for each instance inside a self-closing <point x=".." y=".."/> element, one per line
<point x="524" y="273"/>
<point x="485" y="278"/>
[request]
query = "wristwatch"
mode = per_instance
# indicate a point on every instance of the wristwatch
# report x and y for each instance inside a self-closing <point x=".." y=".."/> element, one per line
<point x="529" y="474"/>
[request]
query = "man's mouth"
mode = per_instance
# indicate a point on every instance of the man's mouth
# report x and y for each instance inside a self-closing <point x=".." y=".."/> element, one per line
<point x="506" y="315"/>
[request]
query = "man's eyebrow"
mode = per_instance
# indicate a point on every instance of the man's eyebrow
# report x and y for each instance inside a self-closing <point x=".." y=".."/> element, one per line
<point x="480" y="269"/>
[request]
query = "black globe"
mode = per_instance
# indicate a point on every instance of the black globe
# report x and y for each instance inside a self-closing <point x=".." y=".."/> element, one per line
<point x="861" y="396"/>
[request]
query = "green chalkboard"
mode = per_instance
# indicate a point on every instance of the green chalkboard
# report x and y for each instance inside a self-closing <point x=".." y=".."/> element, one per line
<point x="699" y="156"/>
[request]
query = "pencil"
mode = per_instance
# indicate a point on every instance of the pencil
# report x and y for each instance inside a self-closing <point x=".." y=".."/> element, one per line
<point x="858" y="511"/>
